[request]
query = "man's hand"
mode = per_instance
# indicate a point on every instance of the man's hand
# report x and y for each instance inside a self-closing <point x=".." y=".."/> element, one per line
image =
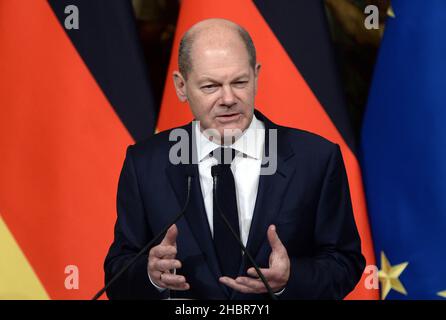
<point x="277" y="274"/>
<point x="162" y="261"/>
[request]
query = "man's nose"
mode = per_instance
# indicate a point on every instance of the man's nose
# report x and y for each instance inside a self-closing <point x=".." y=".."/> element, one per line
<point x="228" y="97"/>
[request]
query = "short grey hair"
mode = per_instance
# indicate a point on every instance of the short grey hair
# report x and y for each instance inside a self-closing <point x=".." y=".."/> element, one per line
<point x="184" y="52"/>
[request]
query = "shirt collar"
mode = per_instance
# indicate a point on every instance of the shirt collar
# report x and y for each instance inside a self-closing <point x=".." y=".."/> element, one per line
<point x="250" y="143"/>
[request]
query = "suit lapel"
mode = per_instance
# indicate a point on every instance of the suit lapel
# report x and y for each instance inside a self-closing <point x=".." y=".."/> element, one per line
<point x="271" y="189"/>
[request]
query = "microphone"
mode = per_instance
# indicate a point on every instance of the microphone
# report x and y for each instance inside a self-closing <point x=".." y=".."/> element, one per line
<point x="189" y="173"/>
<point x="215" y="172"/>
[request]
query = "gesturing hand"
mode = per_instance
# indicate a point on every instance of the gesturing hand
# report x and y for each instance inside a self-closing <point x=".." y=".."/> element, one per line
<point x="162" y="260"/>
<point x="277" y="274"/>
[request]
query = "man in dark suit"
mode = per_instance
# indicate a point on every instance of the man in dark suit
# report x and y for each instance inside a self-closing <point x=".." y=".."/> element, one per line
<point x="296" y="220"/>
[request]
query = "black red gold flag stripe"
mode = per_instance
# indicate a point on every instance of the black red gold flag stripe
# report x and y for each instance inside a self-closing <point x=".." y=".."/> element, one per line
<point x="71" y="102"/>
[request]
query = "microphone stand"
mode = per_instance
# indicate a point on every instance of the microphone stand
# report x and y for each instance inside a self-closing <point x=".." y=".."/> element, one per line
<point x="148" y="245"/>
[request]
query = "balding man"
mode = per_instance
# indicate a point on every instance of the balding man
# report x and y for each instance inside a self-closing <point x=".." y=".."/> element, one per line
<point x="296" y="220"/>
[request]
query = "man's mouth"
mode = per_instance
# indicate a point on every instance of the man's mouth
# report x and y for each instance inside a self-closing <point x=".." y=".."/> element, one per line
<point x="230" y="117"/>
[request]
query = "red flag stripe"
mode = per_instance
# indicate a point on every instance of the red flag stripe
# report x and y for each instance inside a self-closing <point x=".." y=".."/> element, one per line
<point x="62" y="150"/>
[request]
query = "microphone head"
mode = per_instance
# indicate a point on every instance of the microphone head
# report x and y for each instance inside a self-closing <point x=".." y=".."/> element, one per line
<point x="215" y="171"/>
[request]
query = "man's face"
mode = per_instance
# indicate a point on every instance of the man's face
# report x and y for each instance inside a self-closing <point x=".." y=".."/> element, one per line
<point x="221" y="87"/>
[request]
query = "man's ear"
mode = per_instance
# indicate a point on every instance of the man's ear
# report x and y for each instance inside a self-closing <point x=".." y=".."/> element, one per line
<point x="256" y="76"/>
<point x="180" y="86"/>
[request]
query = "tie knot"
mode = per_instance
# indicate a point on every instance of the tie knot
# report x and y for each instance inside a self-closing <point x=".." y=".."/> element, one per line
<point x="223" y="155"/>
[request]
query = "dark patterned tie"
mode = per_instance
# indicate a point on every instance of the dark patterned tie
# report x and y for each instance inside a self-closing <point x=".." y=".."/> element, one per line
<point x="227" y="249"/>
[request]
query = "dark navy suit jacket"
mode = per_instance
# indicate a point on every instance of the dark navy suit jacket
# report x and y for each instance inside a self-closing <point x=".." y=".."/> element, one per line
<point x="307" y="199"/>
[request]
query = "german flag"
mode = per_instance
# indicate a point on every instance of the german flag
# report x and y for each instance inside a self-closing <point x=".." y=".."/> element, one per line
<point x="72" y="99"/>
<point x="298" y="86"/>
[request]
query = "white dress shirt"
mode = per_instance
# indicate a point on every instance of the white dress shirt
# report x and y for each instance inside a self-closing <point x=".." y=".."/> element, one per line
<point x="245" y="168"/>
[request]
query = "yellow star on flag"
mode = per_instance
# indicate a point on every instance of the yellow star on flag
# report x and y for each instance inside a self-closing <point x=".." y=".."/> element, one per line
<point x="389" y="276"/>
<point x="442" y="294"/>
<point x="390" y="12"/>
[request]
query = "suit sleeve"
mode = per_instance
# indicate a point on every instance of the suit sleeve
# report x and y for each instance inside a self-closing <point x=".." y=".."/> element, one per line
<point x="336" y="265"/>
<point x="131" y="234"/>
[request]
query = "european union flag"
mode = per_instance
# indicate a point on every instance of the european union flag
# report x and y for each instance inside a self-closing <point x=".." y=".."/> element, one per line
<point x="404" y="152"/>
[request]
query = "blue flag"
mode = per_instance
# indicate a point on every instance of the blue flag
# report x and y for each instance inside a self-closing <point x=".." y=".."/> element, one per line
<point x="403" y="148"/>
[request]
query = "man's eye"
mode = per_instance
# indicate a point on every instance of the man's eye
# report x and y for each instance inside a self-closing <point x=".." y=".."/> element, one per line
<point x="209" y="88"/>
<point x="240" y="84"/>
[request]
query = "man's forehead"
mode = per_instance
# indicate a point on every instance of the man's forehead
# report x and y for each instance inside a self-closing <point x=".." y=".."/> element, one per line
<point x="227" y="75"/>
<point x="218" y="51"/>
<point x="232" y="64"/>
